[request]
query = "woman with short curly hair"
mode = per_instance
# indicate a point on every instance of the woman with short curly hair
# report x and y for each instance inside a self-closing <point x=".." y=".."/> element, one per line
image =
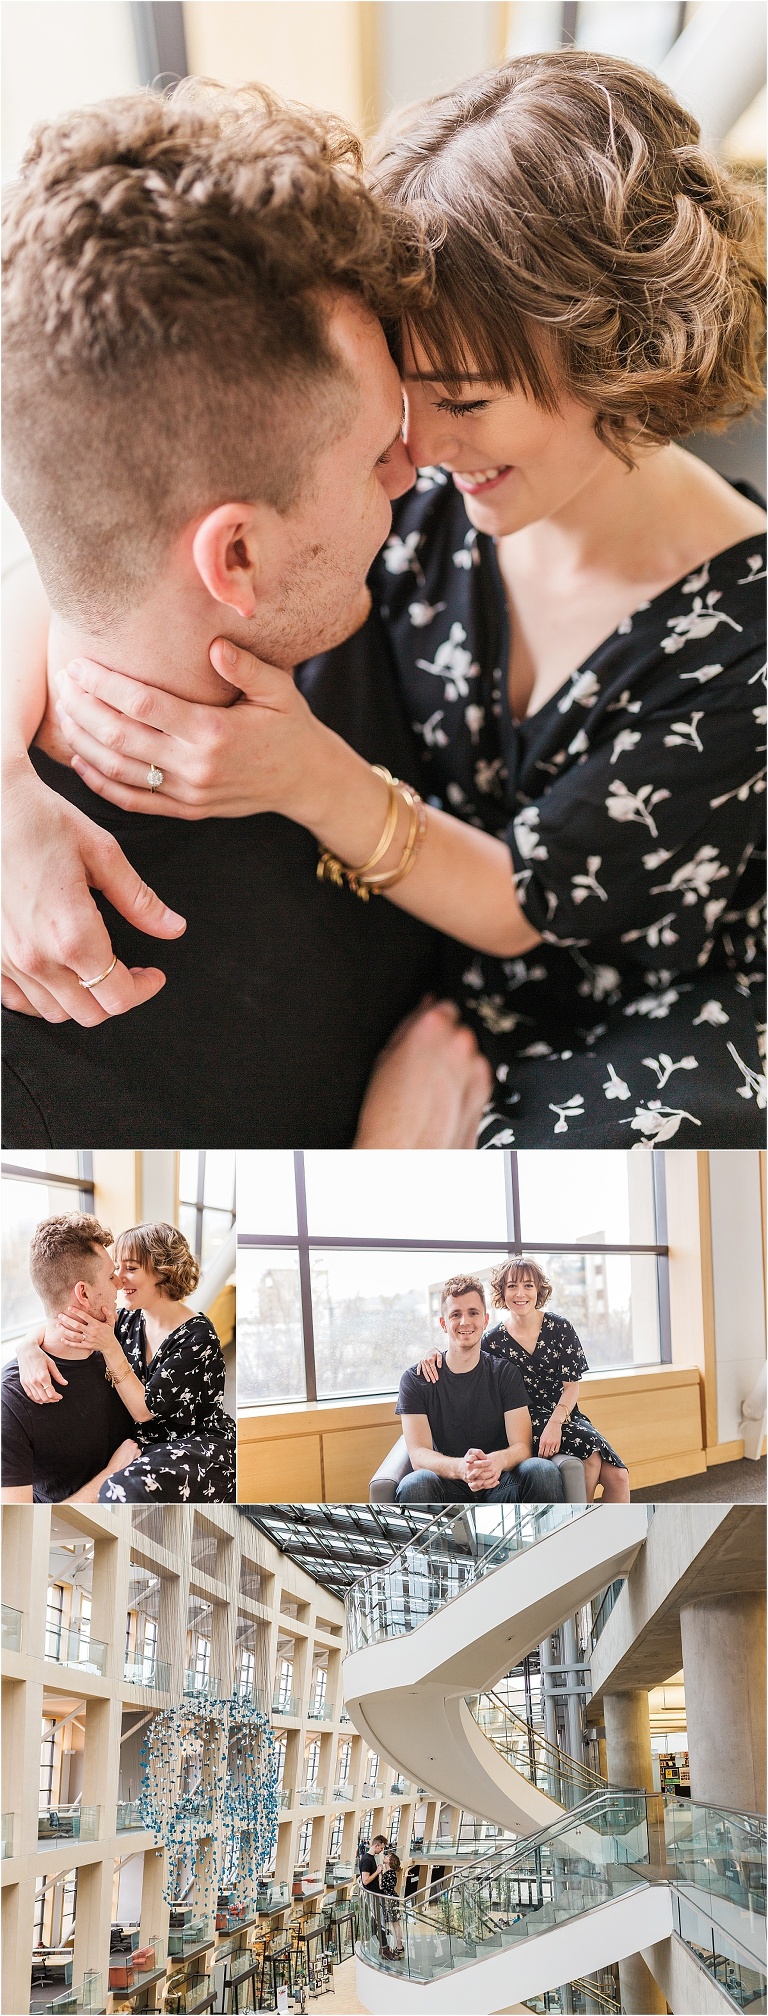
<point x="552" y="1363"/>
<point x="166" y="1362"/>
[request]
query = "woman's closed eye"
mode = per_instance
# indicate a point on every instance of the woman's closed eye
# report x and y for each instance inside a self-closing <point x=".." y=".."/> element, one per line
<point x="456" y="409"/>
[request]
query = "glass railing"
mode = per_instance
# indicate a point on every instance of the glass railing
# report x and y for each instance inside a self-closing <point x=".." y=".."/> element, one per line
<point x="739" y="1972"/>
<point x="586" y="1859"/>
<point x="469" y="1845"/>
<point x="603" y="1612"/>
<point x="345" y="1714"/>
<point x="183" y="1939"/>
<point x="563" y="1778"/>
<point x="205" y="1684"/>
<point x="285" y="1797"/>
<point x="400" y="1786"/>
<point x="312" y="1795"/>
<point x="11" y="1629"/>
<point x="286" y="1704"/>
<point x="68" y="1823"/>
<point x="592" y="1995"/>
<point x="154" y="1673"/>
<point x="273" y="1896"/>
<point x="253" y="1695"/>
<point x="7" y="1835"/>
<point x="720" y="1853"/>
<point x="322" y="1712"/>
<point x="72" y="1647"/>
<point x="339" y="1872"/>
<point x="344" y="1790"/>
<point x="431" y="1572"/>
<point x="372" y="1792"/>
<point x="129" y="1816"/>
<point x="90" y="1997"/>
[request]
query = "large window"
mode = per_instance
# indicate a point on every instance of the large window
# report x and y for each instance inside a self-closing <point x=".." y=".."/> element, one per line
<point x="341" y="1258"/>
<point x="206" y="1199"/>
<point x="36" y="1184"/>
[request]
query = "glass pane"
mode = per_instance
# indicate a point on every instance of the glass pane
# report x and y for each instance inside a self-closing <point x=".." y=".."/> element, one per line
<point x="60" y="1161"/>
<point x="266" y="1191"/>
<point x="270" y="1357"/>
<point x="24" y="1204"/>
<point x="188" y="1165"/>
<point x="375" y="1313"/>
<point x="606" y="1198"/>
<point x="220" y="1177"/>
<point x="389" y="1195"/>
<point x="188" y="1223"/>
<point x="612" y="1302"/>
<point x="217" y="1226"/>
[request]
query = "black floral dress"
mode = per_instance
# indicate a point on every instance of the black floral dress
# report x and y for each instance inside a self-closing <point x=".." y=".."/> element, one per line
<point x="556" y="1359"/>
<point x="631" y="804"/>
<point x="188" y="1448"/>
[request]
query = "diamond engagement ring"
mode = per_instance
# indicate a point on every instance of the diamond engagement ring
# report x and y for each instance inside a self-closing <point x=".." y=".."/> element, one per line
<point x="154" y="777"/>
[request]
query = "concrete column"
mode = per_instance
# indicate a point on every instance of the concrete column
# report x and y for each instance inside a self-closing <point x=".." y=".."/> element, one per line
<point x="628" y="1754"/>
<point x="628" y="1739"/>
<point x="723" y="1641"/>
<point x="155" y="1913"/>
<point x="18" y="1916"/>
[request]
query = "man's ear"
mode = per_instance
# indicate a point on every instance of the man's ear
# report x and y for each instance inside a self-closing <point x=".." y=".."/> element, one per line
<point x="227" y="552"/>
<point x="80" y="1295"/>
<point x="443" y="1324"/>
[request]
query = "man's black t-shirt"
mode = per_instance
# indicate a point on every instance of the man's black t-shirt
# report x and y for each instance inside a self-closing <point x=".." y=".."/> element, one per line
<point x="369" y="1867"/>
<point x="465" y="1410"/>
<point x="59" y="1448"/>
<point x="279" y="996"/>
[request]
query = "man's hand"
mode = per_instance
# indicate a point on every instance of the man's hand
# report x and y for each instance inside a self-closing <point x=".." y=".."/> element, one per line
<point x="37" y="1372"/>
<point x="429" y="1086"/>
<point x="217" y="762"/>
<point x="53" y="935"/>
<point x="482" y="1472"/>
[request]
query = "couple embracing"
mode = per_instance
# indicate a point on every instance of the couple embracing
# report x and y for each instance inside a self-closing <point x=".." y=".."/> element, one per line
<point x="486" y="1418"/>
<point x="111" y="1406"/>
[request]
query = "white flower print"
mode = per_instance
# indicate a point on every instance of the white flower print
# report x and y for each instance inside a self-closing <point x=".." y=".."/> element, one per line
<point x="572" y="1108"/>
<point x="655" y="1006"/>
<point x="527" y="834"/>
<point x="540" y="1049"/>
<point x="580" y="744"/>
<point x="627" y="738"/>
<point x="502" y="1073"/>
<point x="657" y="1123"/>
<point x="703" y="619"/>
<point x="696" y="581"/>
<point x="656" y="934"/>
<point x="712" y="1012"/>
<point x="500" y="1020"/>
<point x="756" y="570"/>
<point x="452" y="663"/>
<point x="615" y="1087"/>
<point x="754" y="1086"/>
<point x="625" y="704"/>
<point x="400" y="555"/>
<point x="430" y="478"/>
<point x="432" y="730"/>
<point x="625" y="805"/>
<point x="582" y="692"/>
<point x="704" y="674"/>
<point x="474" y="976"/>
<point x="475" y="720"/>
<point x="455" y="795"/>
<point x="756" y="784"/>
<point x="468" y="555"/>
<point x="694" y="877"/>
<point x="714" y="910"/>
<point x="600" y="982"/>
<point x="685" y="735"/>
<point x="504" y="1138"/>
<point x="488" y="775"/>
<point x="583" y="886"/>
<point x="657" y="860"/>
<point x="422" y="613"/>
<point x="664" y="1067"/>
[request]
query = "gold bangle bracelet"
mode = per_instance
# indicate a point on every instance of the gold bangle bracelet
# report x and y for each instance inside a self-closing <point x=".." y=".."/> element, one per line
<point x="416" y="835"/>
<point x="360" y="880"/>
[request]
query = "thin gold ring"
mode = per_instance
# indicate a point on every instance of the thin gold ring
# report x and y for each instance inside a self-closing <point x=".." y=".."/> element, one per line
<point x="99" y="977"/>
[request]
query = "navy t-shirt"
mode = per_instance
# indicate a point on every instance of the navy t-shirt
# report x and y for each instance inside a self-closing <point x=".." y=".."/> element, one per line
<point x="465" y="1410"/>
<point x="59" y="1448"/>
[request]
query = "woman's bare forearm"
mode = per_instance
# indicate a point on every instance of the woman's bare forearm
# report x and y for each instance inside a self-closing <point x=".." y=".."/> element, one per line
<point x="26" y="617"/>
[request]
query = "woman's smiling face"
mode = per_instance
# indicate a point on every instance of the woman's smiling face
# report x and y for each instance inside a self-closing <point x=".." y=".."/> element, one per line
<point x="513" y="461"/>
<point x="136" y="1282"/>
<point x="520" y="1295"/>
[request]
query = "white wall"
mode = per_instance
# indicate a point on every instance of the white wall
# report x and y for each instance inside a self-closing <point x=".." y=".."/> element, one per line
<point x="737" y="1263"/>
<point x="57" y="54"/>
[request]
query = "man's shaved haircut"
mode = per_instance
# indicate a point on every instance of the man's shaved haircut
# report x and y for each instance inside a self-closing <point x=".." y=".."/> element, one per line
<point x="65" y="1250"/>
<point x="170" y="267"/>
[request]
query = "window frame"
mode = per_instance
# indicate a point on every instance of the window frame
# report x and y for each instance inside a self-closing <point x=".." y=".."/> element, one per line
<point x="302" y="1243"/>
<point x="199" y="1205"/>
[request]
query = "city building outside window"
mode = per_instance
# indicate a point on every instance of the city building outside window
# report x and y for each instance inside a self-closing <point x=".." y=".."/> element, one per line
<point x="340" y="1271"/>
